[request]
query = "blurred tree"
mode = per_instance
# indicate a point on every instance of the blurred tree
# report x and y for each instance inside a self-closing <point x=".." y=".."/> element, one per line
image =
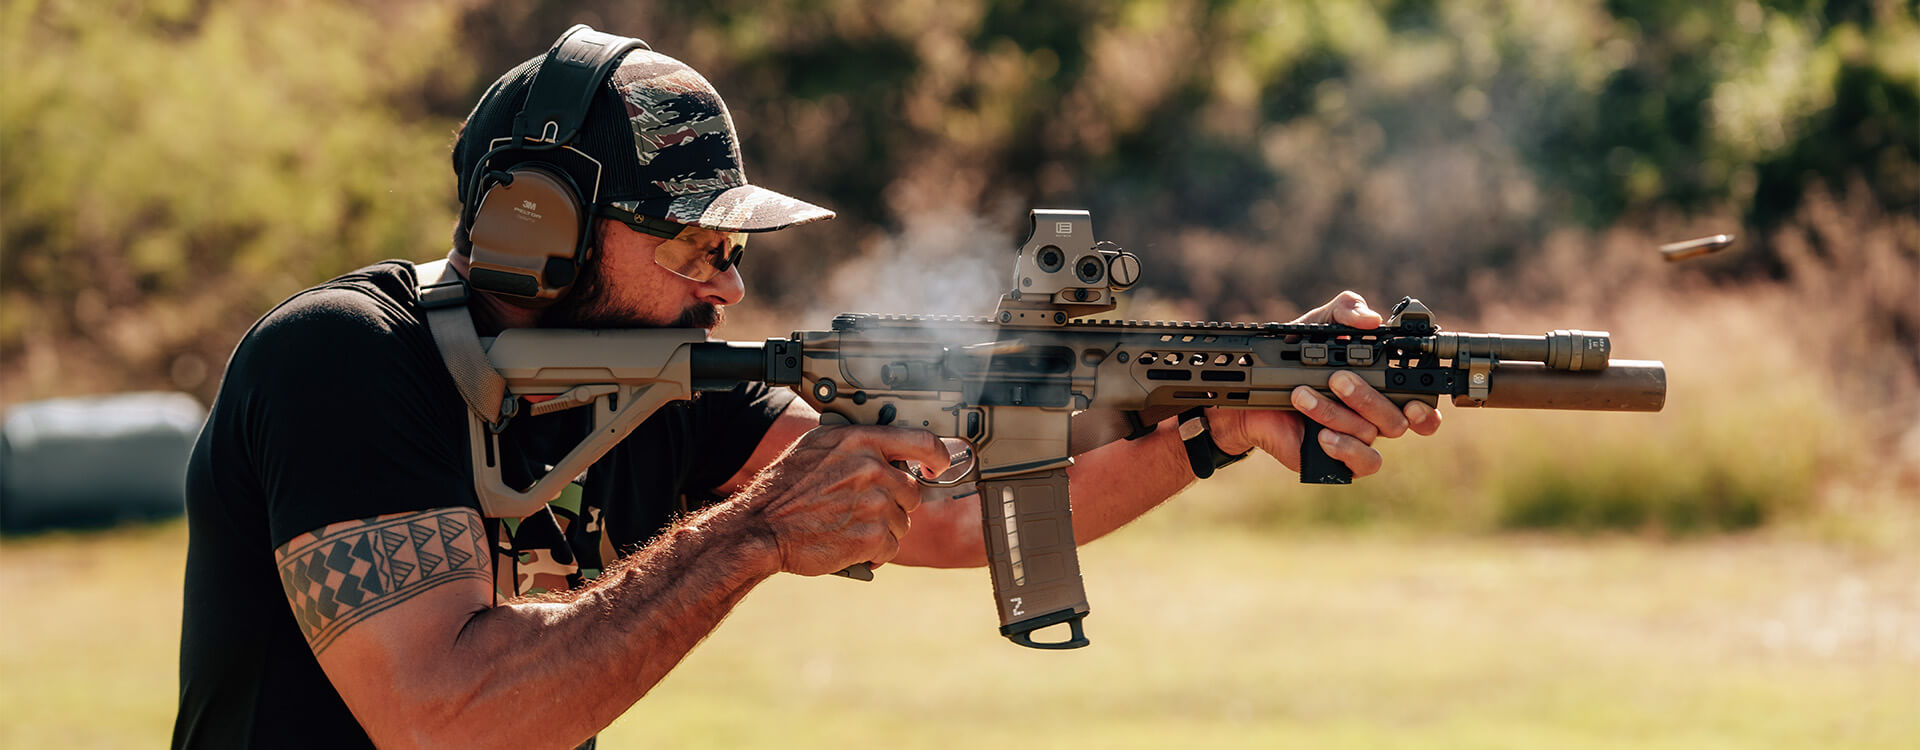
<point x="169" y="174"/>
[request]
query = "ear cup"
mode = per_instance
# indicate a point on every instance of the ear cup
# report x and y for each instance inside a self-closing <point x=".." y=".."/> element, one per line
<point x="528" y="234"/>
<point x="528" y="226"/>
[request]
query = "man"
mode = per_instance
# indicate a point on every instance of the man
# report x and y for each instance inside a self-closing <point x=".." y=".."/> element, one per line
<point x="343" y="589"/>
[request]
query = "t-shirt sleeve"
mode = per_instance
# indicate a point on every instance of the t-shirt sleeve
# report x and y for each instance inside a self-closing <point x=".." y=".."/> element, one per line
<point x="727" y="426"/>
<point x="347" y="416"/>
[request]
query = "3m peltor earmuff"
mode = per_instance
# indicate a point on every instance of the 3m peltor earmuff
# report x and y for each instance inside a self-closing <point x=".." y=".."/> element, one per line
<point x="530" y="198"/>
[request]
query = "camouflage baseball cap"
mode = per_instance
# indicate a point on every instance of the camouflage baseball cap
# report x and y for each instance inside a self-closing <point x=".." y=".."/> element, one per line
<point x="664" y="142"/>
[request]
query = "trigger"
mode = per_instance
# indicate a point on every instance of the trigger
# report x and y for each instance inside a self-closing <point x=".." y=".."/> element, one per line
<point x="916" y="471"/>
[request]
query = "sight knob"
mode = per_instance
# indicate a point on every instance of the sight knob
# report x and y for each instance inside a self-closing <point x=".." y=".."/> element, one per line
<point x="1123" y="270"/>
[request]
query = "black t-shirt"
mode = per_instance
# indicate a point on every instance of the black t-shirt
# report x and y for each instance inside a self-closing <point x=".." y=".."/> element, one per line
<point x="337" y="406"/>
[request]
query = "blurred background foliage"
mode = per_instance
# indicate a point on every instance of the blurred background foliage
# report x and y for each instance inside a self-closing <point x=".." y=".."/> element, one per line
<point x="171" y="169"/>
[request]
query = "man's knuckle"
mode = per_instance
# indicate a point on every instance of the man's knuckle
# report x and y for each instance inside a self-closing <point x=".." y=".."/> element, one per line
<point x="873" y="465"/>
<point x="1394" y="428"/>
<point x="885" y="504"/>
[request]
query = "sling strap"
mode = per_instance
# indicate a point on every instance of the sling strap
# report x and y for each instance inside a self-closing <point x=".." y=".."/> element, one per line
<point x="443" y="295"/>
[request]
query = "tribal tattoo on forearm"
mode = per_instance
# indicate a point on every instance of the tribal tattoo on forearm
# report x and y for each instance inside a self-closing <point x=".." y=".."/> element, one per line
<point x="349" y="571"/>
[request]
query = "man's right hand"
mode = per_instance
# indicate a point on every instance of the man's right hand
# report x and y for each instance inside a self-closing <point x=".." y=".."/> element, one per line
<point x="836" y="499"/>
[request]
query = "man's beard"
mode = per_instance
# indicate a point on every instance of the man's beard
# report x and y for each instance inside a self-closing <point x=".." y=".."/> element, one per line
<point x="587" y="305"/>
<point x="701" y="315"/>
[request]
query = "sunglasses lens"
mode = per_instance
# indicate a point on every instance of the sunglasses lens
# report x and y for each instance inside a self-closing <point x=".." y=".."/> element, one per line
<point x="693" y="252"/>
<point x="695" y="268"/>
<point x="701" y="254"/>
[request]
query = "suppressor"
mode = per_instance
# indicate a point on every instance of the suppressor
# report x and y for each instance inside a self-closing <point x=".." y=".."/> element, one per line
<point x="1625" y="385"/>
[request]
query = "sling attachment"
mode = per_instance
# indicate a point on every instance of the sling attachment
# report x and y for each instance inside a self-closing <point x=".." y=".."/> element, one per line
<point x="443" y="295"/>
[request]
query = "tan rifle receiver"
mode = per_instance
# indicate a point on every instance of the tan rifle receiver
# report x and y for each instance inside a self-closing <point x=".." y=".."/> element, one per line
<point x="1037" y="383"/>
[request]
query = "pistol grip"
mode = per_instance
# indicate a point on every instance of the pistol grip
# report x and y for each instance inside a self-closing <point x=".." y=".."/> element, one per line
<point x="1316" y="467"/>
<point x="1028" y="524"/>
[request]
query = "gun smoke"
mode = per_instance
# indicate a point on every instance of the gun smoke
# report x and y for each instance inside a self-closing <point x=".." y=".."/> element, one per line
<point x="939" y="263"/>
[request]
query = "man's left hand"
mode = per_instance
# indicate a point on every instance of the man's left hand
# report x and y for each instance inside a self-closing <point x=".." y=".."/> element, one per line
<point x="1360" y="416"/>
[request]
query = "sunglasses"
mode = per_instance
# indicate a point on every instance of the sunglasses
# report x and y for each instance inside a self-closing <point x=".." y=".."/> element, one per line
<point x="691" y="252"/>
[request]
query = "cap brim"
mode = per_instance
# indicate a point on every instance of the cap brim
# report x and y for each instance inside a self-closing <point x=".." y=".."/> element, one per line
<point x="747" y="208"/>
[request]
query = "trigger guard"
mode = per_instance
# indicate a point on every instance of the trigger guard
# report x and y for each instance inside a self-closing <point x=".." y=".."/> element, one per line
<point x="970" y="476"/>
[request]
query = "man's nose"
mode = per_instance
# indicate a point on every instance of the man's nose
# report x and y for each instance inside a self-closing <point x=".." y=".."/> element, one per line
<point x="725" y="289"/>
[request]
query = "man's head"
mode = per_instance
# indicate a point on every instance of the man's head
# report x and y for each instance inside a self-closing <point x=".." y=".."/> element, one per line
<point x="656" y="167"/>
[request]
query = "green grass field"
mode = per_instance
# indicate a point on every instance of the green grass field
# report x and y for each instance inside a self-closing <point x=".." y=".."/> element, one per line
<point x="1202" y="637"/>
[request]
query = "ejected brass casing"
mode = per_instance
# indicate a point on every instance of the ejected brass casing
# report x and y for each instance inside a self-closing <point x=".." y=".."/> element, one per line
<point x="1679" y="251"/>
<point x="1627" y="385"/>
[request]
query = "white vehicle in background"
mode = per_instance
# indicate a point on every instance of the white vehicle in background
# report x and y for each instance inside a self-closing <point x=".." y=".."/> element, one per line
<point x="95" y="460"/>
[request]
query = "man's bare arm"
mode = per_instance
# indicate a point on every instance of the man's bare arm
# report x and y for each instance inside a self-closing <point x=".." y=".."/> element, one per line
<point x="1111" y="486"/>
<point x="398" y="610"/>
<point x="340" y="575"/>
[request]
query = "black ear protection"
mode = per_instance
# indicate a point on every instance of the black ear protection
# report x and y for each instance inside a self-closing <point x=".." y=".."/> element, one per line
<point x="529" y="202"/>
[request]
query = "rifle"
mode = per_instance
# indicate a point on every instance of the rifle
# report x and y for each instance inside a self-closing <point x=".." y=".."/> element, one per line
<point x="1038" y="383"/>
